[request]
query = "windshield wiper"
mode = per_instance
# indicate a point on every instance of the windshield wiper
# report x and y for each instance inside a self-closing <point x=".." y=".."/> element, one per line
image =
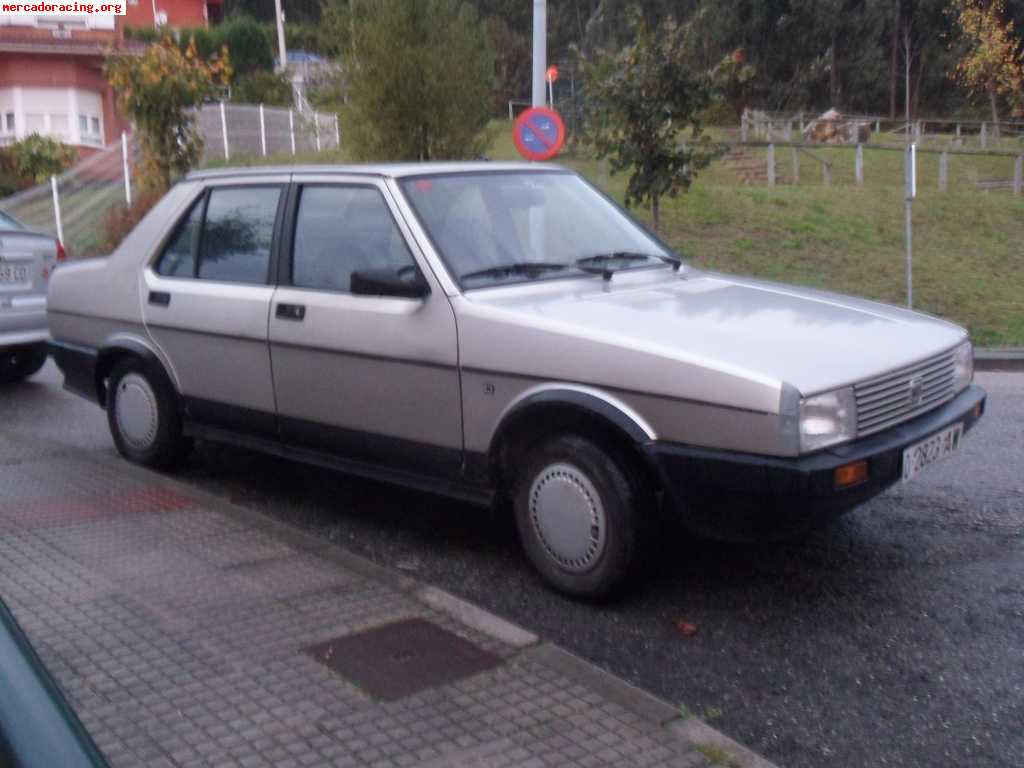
<point x="598" y="263"/>
<point x="516" y="268"/>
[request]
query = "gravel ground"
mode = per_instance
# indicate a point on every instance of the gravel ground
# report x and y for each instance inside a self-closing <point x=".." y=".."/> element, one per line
<point x="895" y="637"/>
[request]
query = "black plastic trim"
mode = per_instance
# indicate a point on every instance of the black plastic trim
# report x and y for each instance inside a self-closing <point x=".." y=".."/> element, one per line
<point x="442" y="486"/>
<point x="763" y="495"/>
<point x="78" y="364"/>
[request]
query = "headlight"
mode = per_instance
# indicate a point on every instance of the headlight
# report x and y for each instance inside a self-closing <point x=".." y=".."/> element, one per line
<point x="963" y="366"/>
<point x="827" y="419"/>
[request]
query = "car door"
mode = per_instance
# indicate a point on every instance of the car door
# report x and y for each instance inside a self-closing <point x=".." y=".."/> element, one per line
<point x="206" y="299"/>
<point x="369" y="378"/>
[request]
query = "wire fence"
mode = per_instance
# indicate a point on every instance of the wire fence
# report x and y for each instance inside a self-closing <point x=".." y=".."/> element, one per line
<point x="74" y="206"/>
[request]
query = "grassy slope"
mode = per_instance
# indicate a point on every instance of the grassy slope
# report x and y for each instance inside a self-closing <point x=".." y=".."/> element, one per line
<point x="968" y="244"/>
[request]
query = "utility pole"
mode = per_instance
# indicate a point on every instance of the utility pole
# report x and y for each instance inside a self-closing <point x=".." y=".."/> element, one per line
<point x="282" y="52"/>
<point x="540" y="50"/>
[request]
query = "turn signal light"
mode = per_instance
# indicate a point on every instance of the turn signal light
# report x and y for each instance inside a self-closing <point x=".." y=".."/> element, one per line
<point x="61" y="253"/>
<point x="851" y="474"/>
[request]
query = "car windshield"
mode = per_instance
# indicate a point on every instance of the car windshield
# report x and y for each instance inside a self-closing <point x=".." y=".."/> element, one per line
<point x="498" y="227"/>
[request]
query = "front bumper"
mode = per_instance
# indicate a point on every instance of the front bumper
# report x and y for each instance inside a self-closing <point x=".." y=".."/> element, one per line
<point x="739" y="496"/>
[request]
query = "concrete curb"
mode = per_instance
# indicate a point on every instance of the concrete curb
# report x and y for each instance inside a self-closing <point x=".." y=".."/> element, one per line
<point x="999" y="359"/>
<point x="714" y="744"/>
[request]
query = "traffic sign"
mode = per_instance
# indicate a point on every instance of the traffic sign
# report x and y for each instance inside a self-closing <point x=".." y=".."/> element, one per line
<point x="552" y="73"/>
<point x="539" y="133"/>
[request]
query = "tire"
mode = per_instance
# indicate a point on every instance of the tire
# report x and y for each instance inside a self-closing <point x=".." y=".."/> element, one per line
<point x="21" y="362"/>
<point x="578" y="512"/>
<point x="142" y="411"/>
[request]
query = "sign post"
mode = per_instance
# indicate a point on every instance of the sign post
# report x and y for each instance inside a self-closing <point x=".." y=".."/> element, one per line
<point x="551" y="75"/>
<point x="911" y="193"/>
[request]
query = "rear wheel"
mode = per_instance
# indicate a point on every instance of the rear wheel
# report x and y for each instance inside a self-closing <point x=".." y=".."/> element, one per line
<point x="142" y="411"/>
<point x="21" y="362"/>
<point x="577" y="513"/>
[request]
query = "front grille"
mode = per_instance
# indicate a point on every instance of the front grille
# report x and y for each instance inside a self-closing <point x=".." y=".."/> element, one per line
<point x="899" y="395"/>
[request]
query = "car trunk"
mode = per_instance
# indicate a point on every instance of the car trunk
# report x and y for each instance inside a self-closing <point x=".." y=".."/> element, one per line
<point x="26" y="261"/>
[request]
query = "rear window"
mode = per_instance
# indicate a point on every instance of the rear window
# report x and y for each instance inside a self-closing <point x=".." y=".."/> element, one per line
<point x="6" y="222"/>
<point x="226" y="236"/>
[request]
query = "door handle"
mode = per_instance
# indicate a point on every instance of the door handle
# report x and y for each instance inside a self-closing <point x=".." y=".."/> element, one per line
<point x="159" y="298"/>
<point x="291" y="312"/>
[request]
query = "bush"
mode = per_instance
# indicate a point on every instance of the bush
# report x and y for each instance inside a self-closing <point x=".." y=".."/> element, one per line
<point x="36" y="158"/>
<point x="248" y="44"/>
<point x="270" y="88"/>
<point x="122" y="219"/>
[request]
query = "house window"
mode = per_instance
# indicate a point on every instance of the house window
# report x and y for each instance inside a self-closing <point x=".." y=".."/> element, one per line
<point x="9" y="122"/>
<point x="59" y="126"/>
<point x="96" y="126"/>
<point x="83" y="124"/>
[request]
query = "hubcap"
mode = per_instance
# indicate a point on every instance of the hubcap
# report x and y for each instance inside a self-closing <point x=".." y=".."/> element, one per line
<point x="136" y="411"/>
<point x="568" y="516"/>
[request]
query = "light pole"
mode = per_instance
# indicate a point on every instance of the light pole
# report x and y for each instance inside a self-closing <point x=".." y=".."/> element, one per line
<point x="540" y="50"/>
<point x="282" y="52"/>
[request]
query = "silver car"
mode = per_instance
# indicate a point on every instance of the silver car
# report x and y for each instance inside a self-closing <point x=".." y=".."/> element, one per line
<point x="503" y="333"/>
<point x="27" y="259"/>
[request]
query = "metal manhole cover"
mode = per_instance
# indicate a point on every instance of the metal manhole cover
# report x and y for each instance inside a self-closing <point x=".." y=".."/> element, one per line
<point x="399" y="659"/>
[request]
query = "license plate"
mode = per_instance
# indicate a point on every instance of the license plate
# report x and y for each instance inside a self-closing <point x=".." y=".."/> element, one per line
<point x="930" y="450"/>
<point x="13" y="274"/>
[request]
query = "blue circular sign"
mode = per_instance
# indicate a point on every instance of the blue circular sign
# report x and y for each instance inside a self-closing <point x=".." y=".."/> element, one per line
<point x="539" y="133"/>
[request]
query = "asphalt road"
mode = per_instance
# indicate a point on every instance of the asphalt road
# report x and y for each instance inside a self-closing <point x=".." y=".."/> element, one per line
<point x="895" y="637"/>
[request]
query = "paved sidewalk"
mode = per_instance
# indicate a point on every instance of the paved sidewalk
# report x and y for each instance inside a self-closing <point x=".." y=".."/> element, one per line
<point x="188" y="632"/>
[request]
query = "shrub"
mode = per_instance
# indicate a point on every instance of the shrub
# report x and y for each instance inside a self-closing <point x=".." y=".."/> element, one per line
<point x="247" y="42"/>
<point x="268" y="88"/>
<point x="35" y="158"/>
<point x="122" y="219"/>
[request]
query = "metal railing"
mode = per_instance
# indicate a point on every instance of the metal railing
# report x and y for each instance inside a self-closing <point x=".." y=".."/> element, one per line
<point x="73" y="206"/>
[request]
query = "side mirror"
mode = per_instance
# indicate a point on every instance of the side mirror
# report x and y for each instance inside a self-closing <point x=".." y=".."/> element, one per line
<point x="386" y="282"/>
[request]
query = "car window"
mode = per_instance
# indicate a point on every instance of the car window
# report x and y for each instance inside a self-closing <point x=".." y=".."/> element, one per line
<point x="178" y="259"/>
<point x="237" y="234"/>
<point x="6" y="222"/>
<point x="340" y="230"/>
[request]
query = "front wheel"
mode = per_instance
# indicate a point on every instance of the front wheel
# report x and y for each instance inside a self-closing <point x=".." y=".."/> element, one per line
<point x="142" y="412"/>
<point x="576" y="510"/>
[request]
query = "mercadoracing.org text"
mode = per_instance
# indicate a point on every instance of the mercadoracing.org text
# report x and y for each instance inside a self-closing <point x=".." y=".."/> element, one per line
<point x="64" y="9"/>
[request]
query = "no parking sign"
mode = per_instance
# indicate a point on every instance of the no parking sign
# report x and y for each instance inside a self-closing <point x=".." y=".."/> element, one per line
<point x="539" y="133"/>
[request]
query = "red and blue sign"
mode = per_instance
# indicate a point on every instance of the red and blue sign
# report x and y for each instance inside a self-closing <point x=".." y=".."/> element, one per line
<point x="539" y="133"/>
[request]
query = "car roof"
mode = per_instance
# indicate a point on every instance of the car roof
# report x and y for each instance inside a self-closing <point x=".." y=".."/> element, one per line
<point x="388" y="170"/>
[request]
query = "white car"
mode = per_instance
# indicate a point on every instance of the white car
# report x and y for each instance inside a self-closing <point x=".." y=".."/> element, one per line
<point x="503" y="331"/>
<point x="27" y="259"/>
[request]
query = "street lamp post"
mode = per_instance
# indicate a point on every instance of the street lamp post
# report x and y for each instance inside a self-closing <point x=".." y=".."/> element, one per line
<point x="282" y="52"/>
<point x="540" y="51"/>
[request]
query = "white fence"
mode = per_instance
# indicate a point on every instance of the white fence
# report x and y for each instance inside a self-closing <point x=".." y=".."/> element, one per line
<point x="233" y="130"/>
<point x="74" y="206"/>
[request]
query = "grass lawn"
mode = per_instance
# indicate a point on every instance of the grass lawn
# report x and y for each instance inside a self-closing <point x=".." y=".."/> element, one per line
<point x="968" y="244"/>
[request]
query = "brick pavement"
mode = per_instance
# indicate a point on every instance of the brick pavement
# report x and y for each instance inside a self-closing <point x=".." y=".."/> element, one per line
<point x="177" y="626"/>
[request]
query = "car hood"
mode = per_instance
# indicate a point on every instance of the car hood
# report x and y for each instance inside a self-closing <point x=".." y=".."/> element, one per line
<point x="813" y="340"/>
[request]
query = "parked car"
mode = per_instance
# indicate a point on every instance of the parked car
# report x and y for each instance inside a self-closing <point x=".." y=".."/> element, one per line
<point x="27" y="260"/>
<point x="503" y="332"/>
<point x="38" y="727"/>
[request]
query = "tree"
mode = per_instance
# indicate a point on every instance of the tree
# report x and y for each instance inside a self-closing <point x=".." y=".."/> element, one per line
<point x="421" y="78"/>
<point x="157" y="90"/>
<point x="993" y="62"/>
<point x="645" y="101"/>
